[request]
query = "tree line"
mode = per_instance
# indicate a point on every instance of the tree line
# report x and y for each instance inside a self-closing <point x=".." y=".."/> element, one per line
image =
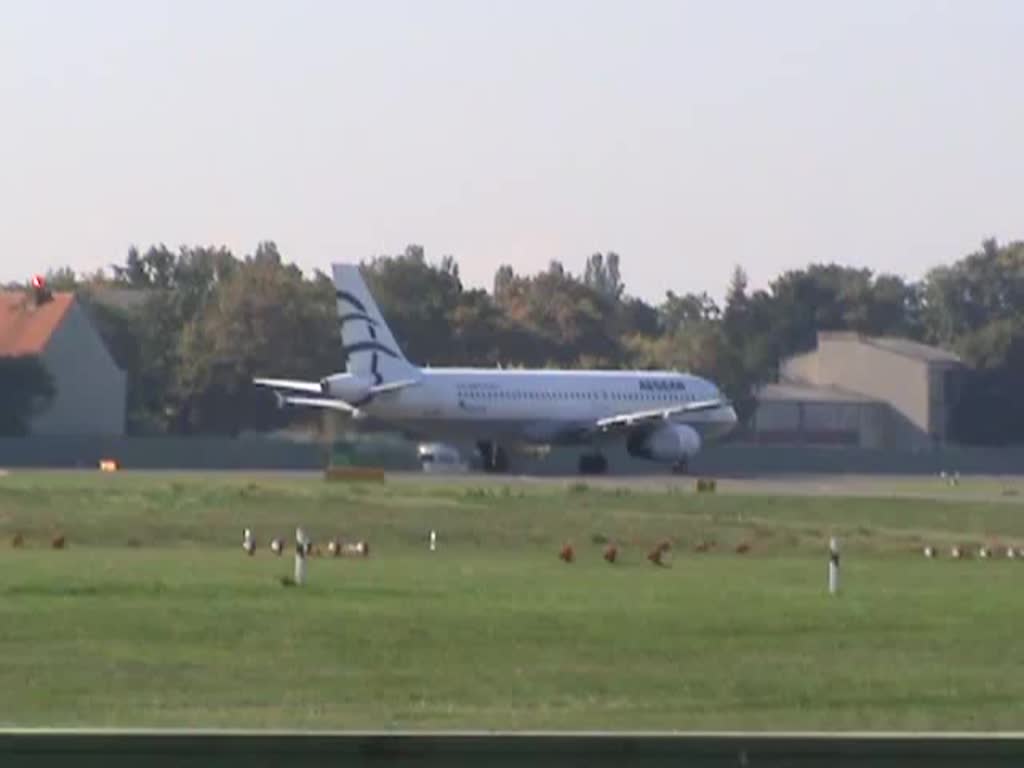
<point x="192" y="327"/>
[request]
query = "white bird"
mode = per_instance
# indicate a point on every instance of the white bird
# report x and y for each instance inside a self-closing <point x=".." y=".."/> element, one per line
<point x="276" y="546"/>
<point x="356" y="548"/>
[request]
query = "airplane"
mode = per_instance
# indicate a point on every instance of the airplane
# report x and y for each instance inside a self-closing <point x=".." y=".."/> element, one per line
<point x="662" y="416"/>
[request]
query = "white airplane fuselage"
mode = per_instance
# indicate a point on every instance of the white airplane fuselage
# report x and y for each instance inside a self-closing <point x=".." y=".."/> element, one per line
<point x="540" y="406"/>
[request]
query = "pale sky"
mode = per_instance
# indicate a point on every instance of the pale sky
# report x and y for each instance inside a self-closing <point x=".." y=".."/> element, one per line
<point x="687" y="136"/>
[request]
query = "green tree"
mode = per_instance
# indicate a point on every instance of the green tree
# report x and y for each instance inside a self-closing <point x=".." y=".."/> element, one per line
<point x="570" y="320"/>
<point x="602" y="274"/>
<point x="26" y="389"/>
<point x="687" y="311"/>
<point x="418" y="298"/>
<point x="264" y="320"/>
<point x="985" y="287"/>
<point x="62" y="279"/>
<point x="975" y="307"/>
<point x="146" y="338"/>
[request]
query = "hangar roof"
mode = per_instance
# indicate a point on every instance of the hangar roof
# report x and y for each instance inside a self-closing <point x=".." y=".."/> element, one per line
<point x="914" y="349"/>
<point x="894" y="344"/>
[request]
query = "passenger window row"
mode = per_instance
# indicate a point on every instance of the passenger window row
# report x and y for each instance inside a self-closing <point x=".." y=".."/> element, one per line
<point x="526" y="394"/>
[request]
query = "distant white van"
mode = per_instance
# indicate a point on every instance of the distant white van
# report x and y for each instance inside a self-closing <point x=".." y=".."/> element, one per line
<point x="441" y="458"/>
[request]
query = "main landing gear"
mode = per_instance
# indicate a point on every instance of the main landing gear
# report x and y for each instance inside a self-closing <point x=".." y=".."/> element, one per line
<point x="492" y="456"/>
<point x="593" y="464"/>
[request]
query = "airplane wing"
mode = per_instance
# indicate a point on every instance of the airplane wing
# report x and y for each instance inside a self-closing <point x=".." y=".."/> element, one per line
<point x="296" y="386"/>
<point x="319" y="402"/>
<point x="627" y="420"/>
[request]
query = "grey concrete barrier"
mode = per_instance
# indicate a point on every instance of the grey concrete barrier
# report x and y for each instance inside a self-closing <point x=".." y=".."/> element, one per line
<point x="731" y="459"/>
<point x="113" y="749"/>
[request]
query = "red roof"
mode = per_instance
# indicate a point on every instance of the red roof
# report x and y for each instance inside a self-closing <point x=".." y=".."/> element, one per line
<point x="25" y="329"/>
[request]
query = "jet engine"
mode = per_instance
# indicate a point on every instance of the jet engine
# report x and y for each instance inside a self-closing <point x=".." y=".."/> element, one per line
<point x="345" y="386"/>
<point x="667" y="442"/>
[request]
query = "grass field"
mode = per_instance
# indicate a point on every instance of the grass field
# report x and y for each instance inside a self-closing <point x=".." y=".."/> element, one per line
<point x="154" y="617"/>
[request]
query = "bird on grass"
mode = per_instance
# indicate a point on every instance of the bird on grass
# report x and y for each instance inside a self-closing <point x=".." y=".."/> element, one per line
<point x="567" y="554"/>
<point x="657" y="554"/>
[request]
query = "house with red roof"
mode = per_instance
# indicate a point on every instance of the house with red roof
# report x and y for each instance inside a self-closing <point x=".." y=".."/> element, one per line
<point x="90" y="387"/>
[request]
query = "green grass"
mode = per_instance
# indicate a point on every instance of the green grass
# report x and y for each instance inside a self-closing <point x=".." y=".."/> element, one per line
<point x="154" y="617"/>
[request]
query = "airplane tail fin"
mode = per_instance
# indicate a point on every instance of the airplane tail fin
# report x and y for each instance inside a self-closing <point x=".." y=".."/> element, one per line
<point x="370" y="348"/>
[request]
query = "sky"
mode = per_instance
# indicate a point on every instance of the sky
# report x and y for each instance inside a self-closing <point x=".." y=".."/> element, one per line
<point x="689" y="137"/>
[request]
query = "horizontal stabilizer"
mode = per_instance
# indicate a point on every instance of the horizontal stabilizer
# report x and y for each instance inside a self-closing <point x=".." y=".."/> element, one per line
<point x="392" y="386"/>
<point x="296" y="386"/>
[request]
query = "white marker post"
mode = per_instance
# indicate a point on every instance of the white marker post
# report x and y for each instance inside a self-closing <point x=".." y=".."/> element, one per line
<point x="248" y="542"/>
<point x="301" y="545"/>
<point x="833" y="566"/>
<point x="433" y="541"/>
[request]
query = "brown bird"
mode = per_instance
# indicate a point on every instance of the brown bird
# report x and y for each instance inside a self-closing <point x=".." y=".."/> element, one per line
<point x="611" y="553"/>
<point x="568" y="554"/>
<point x="18" y="540"/>
<point x="742" y="548"/>
<point x="58" y="541"/>
<point x="656" y="554"/>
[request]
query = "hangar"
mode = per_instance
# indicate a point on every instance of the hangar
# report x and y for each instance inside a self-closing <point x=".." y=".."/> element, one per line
<point x="90" y="388"/>
<point x="859" y="390"/>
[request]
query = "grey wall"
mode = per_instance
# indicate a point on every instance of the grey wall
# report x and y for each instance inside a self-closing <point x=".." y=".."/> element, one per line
<point x="869" y="424"/>
<point x="745" y="459"/>
<point x="90" y="397"/>
<point x="160" y="453"/>
<point x="730" y="459"/>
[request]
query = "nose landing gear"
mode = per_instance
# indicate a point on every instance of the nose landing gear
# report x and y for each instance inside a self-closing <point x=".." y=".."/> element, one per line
<point x="492" y="456"/>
